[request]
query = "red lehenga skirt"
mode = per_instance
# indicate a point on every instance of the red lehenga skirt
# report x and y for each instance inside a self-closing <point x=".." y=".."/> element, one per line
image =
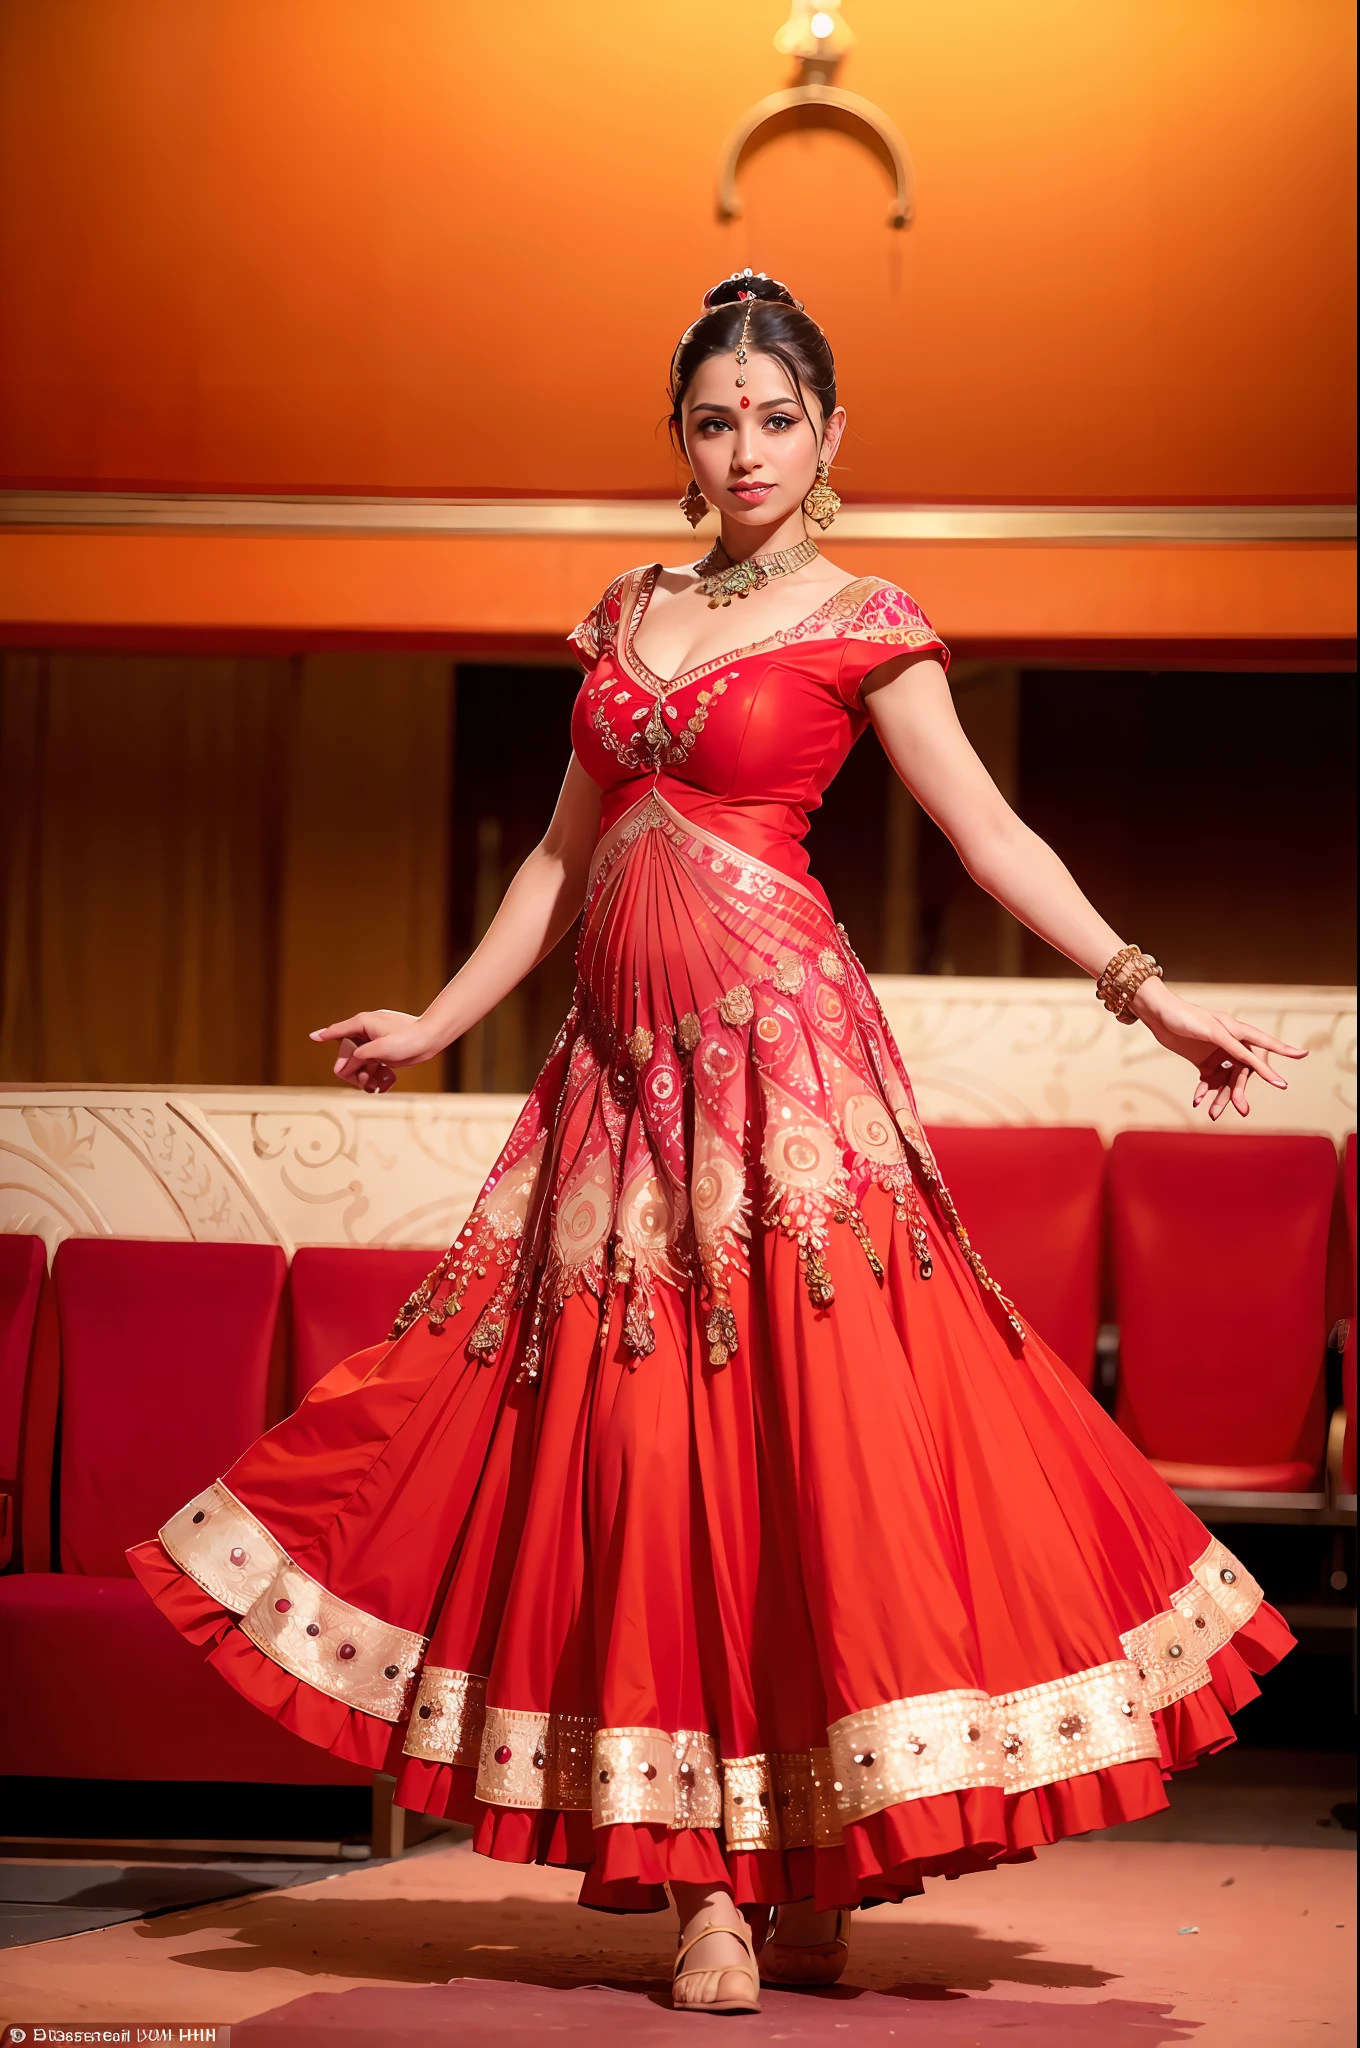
<point x="710" y="1515"/>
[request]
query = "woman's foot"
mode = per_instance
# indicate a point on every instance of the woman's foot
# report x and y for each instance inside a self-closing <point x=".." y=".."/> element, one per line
<point x="806" y="1947"/>
<point x="715" y="1966"/>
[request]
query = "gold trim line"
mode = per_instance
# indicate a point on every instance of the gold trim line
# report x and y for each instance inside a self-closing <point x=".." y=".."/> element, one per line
<point x="659" y="519"/>
<point x="875" y="1758"/>
<point x="906" y="1749"/>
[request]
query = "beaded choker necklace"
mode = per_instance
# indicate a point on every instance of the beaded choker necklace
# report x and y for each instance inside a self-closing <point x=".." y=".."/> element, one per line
<point x="720" y="584"/>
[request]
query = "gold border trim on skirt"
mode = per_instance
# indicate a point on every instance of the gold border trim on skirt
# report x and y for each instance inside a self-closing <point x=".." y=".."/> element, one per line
<point x="956" y="1741"/>
<point x="368" y="1664"/>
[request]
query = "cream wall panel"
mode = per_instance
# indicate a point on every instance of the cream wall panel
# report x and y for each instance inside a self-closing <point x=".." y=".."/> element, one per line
<point x="982" y="1050"/>
<point x="326" y="1166"/>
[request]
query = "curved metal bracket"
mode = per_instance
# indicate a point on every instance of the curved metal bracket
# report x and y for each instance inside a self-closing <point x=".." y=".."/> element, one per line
<point x="829" y="96"/>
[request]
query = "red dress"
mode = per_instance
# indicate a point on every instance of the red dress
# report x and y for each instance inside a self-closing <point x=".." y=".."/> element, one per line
<point x="710" y="1514"/>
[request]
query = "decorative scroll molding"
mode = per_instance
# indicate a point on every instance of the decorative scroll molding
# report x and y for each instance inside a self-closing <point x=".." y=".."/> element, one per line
<point x="197" y="1171"/>
<point x="997" y="1051"/>
<point x="325" y="1166"/>
<point x="659" y="519"/>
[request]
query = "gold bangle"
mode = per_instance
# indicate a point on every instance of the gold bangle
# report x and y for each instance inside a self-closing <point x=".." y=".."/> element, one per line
<point x="1123" y="978"/>
<point x="1146" y="970"/>
<point x="1114" y="969"/>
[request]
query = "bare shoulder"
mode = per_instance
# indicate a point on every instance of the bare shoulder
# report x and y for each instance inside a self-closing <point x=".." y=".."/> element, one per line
<point x="834" y="578"/>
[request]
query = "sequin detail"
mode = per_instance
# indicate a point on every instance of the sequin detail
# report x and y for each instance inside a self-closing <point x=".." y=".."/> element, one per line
<point x="369" y="1664"/>
<point x="1174" y="1648"/>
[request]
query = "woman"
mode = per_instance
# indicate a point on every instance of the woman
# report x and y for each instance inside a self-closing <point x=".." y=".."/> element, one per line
<point x="710" y="1520"/>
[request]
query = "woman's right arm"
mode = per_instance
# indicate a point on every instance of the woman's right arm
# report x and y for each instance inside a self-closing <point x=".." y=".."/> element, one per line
<point x="541" y="904"/>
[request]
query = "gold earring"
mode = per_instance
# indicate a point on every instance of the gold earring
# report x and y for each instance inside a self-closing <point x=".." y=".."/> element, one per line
<point x="822" y="503"/>
<point x="694" y="504"/>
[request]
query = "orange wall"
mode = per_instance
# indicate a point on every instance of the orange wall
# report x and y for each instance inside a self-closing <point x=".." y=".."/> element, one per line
<point x="431" y="245"/>
<point x="528" y="592"/>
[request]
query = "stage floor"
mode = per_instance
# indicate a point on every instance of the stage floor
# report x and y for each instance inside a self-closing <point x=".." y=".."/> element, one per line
<point x="1117" y="1941"/>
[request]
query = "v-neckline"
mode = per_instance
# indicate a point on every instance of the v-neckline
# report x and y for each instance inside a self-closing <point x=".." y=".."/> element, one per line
<point x="664" y="686"/>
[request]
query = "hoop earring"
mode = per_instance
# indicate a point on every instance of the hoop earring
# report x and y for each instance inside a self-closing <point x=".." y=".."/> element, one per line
<point x="694" y="504"/>
<point x="822" y="503"/>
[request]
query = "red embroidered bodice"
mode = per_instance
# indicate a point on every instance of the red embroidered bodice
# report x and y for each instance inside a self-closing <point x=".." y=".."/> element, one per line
<point x="744" y="745"/>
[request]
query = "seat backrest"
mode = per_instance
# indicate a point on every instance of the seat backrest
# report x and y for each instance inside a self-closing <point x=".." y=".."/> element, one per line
<point x="1031" y="1197"/>
<point x="165" y="1355"/>
<point x="1220" y="1274"/>
<point x="23" y="1270"/>
<point x="342" y="1300"/>
<point x="1348" y="1359"/>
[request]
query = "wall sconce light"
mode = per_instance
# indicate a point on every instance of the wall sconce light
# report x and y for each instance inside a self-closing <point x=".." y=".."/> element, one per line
<point x="817" y="39"/>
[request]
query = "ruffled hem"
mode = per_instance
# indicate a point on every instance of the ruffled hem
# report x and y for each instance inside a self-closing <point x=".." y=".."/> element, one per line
<point x="328" y="1723"/>
<point x="884" y="1857"/>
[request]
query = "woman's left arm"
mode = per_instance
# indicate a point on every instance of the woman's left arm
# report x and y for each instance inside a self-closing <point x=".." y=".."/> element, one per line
<point x="913" y="713"/>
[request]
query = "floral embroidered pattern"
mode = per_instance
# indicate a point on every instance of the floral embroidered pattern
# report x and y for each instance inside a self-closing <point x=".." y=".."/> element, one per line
<point x="867" y="609"/>
<point x="597" y="630"/>
<point x="887" y="616"/>
<point x="640" y="1043"/>
<point x="682" y="742"/>
<point x="639" y="1191"/>
<point x="736" y="1007"/>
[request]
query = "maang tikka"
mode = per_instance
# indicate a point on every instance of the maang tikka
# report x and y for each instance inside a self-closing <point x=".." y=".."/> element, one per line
<point x="750" y="299"/>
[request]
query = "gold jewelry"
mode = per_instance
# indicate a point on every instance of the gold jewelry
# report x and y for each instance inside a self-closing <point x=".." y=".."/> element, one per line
<point x="822" y="503"/>
<point x="750" y="299"/>
<point x="694" y="504"/>
<point x="738" y="579"/>
<point x="1122" y="979"/>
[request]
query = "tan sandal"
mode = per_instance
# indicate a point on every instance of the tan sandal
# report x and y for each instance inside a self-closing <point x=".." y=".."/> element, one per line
<point x="821" y="1963"/>
<point x="702" y="1992"/>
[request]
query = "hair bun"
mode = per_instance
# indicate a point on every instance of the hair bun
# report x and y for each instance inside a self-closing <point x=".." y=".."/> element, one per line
<point x="749" y="284"/>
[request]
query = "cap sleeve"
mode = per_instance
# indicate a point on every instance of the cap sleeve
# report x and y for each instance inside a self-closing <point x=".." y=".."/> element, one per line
<point x="885" y="624"/>
<point x="598" y="628"/>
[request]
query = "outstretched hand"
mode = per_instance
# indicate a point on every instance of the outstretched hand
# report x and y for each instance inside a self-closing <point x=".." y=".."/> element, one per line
<point x="374" y="1043"/>
<point x="1225" y="1051"/>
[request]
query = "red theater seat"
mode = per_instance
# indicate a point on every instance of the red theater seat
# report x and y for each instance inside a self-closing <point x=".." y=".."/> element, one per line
<point x="1031" y="1198"/>
<point x="343" y="1299"/>
<point x="1347" y="1487"/>
<point x="165" y="1356"/>
<point x="1220" y="1274"/>
<point x="165" y="1362"/>
<point x="23" y="1271"/>
<point x="99" y="1685"/>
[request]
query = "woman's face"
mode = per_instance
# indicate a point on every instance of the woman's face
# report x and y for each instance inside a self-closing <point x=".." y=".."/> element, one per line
<point x="754" y="451"/>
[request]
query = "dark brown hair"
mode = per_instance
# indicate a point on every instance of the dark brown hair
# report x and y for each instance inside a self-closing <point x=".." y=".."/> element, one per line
<point x="779" y="328"/>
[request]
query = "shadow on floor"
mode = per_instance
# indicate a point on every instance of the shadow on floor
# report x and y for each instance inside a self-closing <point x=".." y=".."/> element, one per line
<point x="478" y="2014"/>
<point x="561" y="1946"/>
<point x="45" y="1901"/>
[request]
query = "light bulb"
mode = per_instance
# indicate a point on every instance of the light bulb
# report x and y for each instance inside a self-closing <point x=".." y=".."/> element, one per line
<point x="821" y="26"/>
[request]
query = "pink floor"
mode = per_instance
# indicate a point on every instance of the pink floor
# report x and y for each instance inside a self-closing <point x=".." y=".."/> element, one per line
<point x="1115" y="1942"/>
